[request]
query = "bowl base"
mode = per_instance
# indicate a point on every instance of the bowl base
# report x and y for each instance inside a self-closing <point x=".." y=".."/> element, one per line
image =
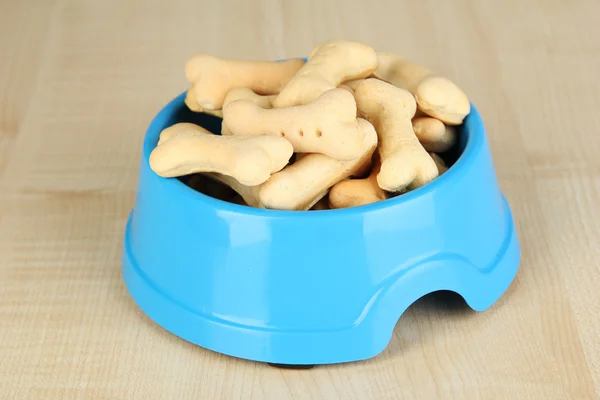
<point x="285" y="348"/>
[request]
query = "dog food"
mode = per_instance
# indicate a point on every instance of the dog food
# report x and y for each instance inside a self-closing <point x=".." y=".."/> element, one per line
<point x="348" y="127"/>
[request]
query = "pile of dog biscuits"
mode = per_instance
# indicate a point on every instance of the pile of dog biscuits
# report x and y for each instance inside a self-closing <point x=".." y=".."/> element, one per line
<point x="349" y="126"/>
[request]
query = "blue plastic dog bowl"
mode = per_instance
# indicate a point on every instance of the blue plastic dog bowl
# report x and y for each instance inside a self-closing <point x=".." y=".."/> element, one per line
<point x="313" y="287"/>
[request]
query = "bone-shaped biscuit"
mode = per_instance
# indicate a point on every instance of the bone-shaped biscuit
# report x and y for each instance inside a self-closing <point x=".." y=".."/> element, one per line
<point x="357" y="192"/>
<point x="190" y="102"/>
<point x="399" y="72"/>
<point x="347" y="88"/>
<point x="300" y="185"/>
<point x="327" y="125"/>
<point x="404" y="161"/>
<point x="442" y="99"/>
<point x="193" y="106"/>
<point x="433" y="134"/>
<point x="245" y="94"/>
<point x="329" y="64"/>
<point x="435" y="95"/>
<point x="352" y="85"/>
<point x="186" y="148"/>
<point x="263" y="101"/>
<point x="439" y="162"/>
<point x="248" y="193"/>
<point x="213" y="77"/>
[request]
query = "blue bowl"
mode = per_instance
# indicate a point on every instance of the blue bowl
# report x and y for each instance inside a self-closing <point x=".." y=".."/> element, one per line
<point x="314" y="287"/>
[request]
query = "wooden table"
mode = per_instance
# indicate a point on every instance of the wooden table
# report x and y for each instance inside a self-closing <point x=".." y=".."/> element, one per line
<point x="79" y="83"/>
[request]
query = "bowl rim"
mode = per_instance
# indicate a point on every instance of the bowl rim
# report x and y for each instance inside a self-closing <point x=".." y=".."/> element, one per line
<point x="473" y="127"/>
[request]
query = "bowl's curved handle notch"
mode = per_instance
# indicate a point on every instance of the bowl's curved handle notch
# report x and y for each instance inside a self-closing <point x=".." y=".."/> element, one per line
<point x="444" y="272"/>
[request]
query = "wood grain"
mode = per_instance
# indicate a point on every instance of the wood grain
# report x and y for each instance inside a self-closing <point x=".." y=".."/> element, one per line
<point x="81" y="79"/>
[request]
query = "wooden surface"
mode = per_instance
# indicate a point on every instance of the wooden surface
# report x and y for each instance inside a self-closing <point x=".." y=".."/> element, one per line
<point x="79" y="83"/>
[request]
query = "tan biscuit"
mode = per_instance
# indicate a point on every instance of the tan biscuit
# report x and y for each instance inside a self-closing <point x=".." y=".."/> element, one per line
<point x="433" y="134"/>
<point x="357" y="192"/>
<point x="353" y="84"/>
<point x="400" y="72"/>
<point x="299" y="156"/>
<point x="405" y="164"/>
<point x="300" y="185"/>
<point x="436" y="96"/>
<point x="329" y="64"/>
<point x="248" y="193"/>
<point x="248" y="94"/>
<point x="245" y="94"/>
<point x="278" y="150"/>
<point x="327" y="125"/>
<point x="442" y="99"/>
<point x="322" y="204"/>
<point x="348" y="88"/>
<point x="187" y="148"/>
<point x="190" y="102"/>
<point x="439" y="162"/>
<point x="193" y="106"/>
<point x="225" y="130"/>
<point x="213" y="77"/>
